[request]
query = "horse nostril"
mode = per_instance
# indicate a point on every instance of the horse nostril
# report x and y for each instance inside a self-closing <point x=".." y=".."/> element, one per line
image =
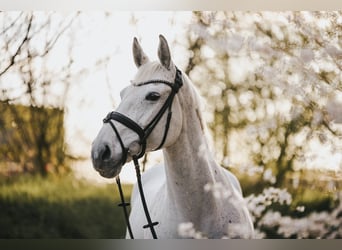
<point x="105" y="154"/>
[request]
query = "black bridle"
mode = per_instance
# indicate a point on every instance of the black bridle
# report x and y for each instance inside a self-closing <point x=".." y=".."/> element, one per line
<point x="143" y="134"/>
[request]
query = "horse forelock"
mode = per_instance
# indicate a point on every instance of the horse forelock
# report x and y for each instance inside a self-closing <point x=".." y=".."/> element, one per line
<point x="151" y="71"/>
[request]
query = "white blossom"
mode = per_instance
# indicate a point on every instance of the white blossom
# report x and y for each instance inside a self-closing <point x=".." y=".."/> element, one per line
<point x="257" y="204"/>
<point x="235" y="43"/>
<point x="187" y="230"/>
<point x="268" y="176"/>
<point x="333" y="51"/>
<point x="334" y="110"/>
<point x="218" y="189"/>
<point x="307" y="55"/>
<point x="238" y="230"/>
<point x="300" y="208"/>
<point x="315" y="225"/>
<point x="251" y="170"/>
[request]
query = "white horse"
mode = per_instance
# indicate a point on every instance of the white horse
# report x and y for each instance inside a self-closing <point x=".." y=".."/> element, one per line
<point x="190" y="187"/>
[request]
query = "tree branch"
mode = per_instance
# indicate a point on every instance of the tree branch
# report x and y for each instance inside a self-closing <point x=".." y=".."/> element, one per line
<point x="11" y="24"/>
<point x="26" y="38"/>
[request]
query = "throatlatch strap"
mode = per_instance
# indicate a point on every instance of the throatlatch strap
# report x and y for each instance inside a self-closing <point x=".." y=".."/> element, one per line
<point x="167" y="126"/>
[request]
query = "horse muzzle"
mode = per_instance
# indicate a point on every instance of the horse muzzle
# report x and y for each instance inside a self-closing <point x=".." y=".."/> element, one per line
<point x="104" y="162"/>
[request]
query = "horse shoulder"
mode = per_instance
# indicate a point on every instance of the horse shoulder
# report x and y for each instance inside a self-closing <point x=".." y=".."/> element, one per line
<point x="233" y="180"/>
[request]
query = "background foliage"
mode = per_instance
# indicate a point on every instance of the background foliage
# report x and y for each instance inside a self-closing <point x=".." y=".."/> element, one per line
<point x="275" y="87"/>
<point x="274" y="83"/>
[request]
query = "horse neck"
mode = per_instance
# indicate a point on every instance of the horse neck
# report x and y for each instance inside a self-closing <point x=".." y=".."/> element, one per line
<point x="189" y="167"/>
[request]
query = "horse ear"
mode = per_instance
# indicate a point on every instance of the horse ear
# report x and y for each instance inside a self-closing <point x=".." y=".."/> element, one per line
<point x="139" y="56"/>
<point x="164" y="52"/>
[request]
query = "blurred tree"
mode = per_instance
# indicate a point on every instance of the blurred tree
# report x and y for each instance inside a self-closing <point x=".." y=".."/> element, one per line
<point x="34" y="84"/>
<point x="275" y="79"/>
<point x="33" y="148"/>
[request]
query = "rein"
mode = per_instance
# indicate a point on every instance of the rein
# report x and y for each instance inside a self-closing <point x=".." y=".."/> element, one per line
<point x="143" y="134"/>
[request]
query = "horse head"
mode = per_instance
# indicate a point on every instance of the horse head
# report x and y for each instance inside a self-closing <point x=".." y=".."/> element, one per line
<point x="142" y="121"/>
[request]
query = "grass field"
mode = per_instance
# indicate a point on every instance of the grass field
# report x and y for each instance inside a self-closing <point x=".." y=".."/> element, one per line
<point x="59" y="207"/>
<point x="64" y="207"/>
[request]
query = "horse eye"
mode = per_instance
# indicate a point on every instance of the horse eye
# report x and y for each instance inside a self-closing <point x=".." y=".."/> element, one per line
<point x="152" y="96"/>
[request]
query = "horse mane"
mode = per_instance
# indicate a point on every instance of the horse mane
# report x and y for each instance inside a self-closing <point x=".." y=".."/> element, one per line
<point x="198" y="103"/>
